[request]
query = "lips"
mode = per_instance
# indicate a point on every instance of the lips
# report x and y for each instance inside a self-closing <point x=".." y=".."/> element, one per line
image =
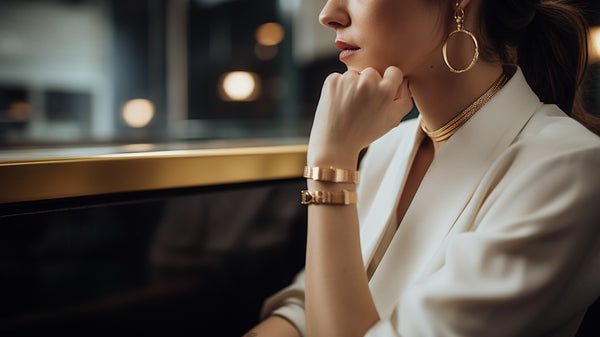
<point x="347" y="49"/>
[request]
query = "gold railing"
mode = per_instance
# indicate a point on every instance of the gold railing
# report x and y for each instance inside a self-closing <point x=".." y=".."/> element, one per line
<point x="51" y="178"/>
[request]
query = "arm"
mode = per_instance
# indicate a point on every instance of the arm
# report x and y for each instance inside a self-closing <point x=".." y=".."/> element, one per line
<point x="338" y="299"/>
<point x="354" y="110"/>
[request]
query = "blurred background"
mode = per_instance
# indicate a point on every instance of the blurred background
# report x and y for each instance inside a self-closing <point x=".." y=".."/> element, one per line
<point x="121" y="71"/>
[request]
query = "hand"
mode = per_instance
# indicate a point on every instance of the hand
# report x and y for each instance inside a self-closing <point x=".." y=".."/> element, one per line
<point x="354" y="110"/>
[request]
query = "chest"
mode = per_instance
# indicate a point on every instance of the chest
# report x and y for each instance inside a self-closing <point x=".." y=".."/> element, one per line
<point x="418" y="168"/>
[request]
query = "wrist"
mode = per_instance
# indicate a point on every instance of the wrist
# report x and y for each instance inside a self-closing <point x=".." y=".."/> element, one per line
<point x="339" y="160"/>
<point x="326" y="186"/>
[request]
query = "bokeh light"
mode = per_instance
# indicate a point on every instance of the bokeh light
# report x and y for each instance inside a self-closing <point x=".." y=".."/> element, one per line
<point x="137" y="113"/>
<point x="595" y="44"/>
<point x="270" y="34"/>
<point x="239" y="86"/>
<point x="19" y="111"/>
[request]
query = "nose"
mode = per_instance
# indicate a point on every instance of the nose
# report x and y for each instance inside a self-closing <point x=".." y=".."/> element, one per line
<point x="334" y="14"/>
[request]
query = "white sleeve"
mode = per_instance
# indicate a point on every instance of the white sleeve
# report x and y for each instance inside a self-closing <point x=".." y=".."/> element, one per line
<point x="289" y="304"/>
<point x="530" y="266"/>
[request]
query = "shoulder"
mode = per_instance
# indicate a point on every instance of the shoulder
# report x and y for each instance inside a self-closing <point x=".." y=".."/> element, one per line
<point x="552" y="129"/>
<point x="554" y="161"/>
<point x="551" y="137"/>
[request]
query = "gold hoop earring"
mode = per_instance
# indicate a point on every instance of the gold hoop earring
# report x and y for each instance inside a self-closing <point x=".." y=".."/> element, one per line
<point x="459" y="16"/>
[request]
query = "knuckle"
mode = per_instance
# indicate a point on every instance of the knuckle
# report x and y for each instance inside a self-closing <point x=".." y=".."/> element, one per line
<point x="393" y="72"/>
<point x="370" y="73"/>
<point x="330" y="82"/>
<point x="332" y="77"/>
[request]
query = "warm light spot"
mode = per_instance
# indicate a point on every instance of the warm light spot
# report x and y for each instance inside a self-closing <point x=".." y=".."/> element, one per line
<point x="137" y="113"/>
<point x="239" y="86"/>
<point x="269" y="34"/>
<point x="265" y="53"/>
<point x="595" y="44"/>
<point x="19" y="111"/>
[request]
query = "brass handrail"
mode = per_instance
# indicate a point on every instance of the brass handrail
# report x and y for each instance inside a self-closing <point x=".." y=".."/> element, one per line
<point x="41" y="179"/>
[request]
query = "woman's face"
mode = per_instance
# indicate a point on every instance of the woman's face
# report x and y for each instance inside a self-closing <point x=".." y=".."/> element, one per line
<point x="380" y="33"/>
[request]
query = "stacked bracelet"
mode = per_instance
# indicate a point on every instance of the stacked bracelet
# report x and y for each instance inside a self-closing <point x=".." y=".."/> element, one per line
<point x="331" y="174"/>
<point x="343" y="197"/>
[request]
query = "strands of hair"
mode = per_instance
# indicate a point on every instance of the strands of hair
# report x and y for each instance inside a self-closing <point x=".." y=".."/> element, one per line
<point x="548" y="40"/>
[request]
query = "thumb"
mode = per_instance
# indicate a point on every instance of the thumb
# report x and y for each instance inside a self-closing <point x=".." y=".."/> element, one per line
<point x="403" y="91"/>
<point x="403" y="102"/>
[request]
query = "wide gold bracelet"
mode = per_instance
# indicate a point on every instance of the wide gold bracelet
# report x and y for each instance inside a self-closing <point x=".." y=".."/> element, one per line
<point x="343" y="197"/>
<point x="331" y="174"/>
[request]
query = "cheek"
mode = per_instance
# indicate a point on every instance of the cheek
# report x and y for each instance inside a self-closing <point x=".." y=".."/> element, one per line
<point x="425" y="36"/>
<point x="398" y="41"/>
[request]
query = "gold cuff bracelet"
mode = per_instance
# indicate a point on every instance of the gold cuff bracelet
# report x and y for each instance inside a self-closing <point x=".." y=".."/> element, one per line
<point x="343" y="197"/>
<point x="331" y="174"/>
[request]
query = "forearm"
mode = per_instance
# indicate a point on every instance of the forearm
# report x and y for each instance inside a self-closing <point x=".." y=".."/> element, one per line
<point x="273" y="326"/>
<point x="354" y="110"/>
<point x="338" y="299"/>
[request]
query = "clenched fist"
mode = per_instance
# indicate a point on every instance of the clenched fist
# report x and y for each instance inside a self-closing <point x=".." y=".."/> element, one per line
<point x="354" y="110"/>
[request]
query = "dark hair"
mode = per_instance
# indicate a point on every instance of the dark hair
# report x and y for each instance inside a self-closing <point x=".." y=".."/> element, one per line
<point x="548" y="40"/>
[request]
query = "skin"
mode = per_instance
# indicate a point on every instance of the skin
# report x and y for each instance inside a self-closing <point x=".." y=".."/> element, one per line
<point x="400" y="45"/>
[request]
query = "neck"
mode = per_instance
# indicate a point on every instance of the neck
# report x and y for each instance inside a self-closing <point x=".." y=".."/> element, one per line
<point x="441" y="95"/>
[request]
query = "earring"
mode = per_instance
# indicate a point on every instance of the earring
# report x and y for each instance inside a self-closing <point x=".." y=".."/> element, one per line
<point x="459" y="16"/>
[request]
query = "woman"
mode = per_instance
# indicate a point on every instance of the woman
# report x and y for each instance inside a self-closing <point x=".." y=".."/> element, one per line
<point x="486" y="226"/>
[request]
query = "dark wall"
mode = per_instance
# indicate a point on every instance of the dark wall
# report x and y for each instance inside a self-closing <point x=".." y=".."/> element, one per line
<point x="185" y="262"/>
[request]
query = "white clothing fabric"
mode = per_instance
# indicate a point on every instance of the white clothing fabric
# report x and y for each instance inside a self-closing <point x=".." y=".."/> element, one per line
<point x="502" y="237"/>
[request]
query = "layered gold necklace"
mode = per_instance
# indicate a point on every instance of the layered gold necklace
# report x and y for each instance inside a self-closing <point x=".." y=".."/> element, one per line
<point x="452" y="126"/>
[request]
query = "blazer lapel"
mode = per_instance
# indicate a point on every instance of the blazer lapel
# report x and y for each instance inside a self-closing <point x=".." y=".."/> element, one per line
<point x="448" y="186"/>
<point x="387" y="195"/>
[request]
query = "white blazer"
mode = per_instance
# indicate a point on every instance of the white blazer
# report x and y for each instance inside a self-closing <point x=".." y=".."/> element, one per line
<point x="502" y="237"/>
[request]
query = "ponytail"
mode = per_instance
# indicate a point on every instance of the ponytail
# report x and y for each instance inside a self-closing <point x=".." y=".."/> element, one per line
<point x="548" y="40"/>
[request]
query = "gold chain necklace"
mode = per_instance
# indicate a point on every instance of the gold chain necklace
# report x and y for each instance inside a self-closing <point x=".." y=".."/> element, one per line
<point x="452" y="126"/>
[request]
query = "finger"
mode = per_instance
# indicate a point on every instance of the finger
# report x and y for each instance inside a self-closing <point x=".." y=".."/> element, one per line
<point x="402" y="105"/>
<point x="370" y="72"/>
<point x="331" y="78"/>
<point x="404" y="100"/>
<point x="352" y="76"/>
<point x="330" y="83"/>
<point x="392" y="79"/>
<point x="403" y="91"/>
<point x="351" y="73"/>
<point x="393" y="74"/>
<point x="369" y="80"/>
